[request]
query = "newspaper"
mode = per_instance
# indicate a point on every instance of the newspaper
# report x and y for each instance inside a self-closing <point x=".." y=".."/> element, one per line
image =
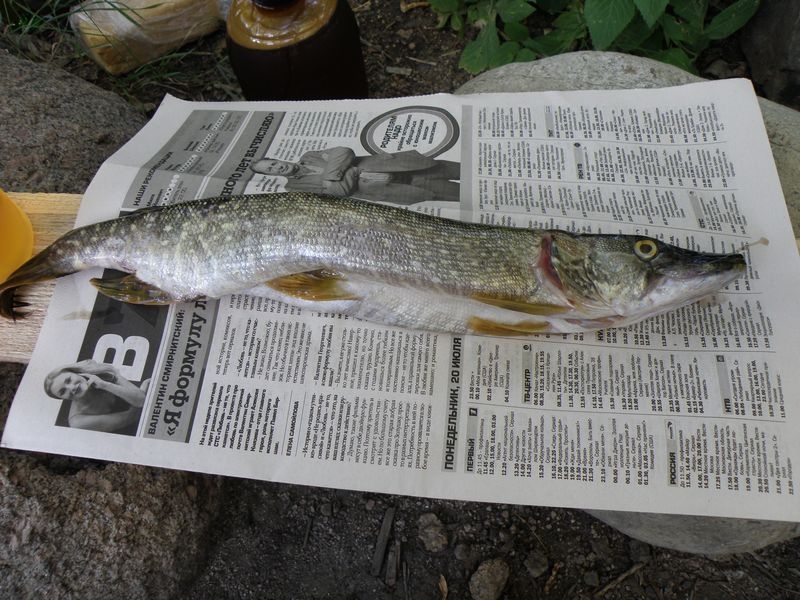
<point x="690" y="412"/>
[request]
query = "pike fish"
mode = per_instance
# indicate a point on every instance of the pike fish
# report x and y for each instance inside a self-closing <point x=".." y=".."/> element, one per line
<point x="381" y="264"/>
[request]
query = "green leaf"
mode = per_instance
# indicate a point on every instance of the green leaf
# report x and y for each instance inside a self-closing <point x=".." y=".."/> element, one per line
<point x="731" y="19"/>
<point x="516" y="32"/>
<point x="525" y="55"/>
<point x="550" y="44"/>
<point x="654" y="43"/>
<point x="571" y="22"/>
<point x="473" y="58"/>
<point x="457" y="22"/>
<point x="651" y="10"/>
<point x="512" y="11"/>
<point x="552" y="6"/>
<point x="476" y="55"/>
<point x="486" y="51"/>
<point x="569" y="27"/>
<point x="692" y="11"/>
<point x="633" y="36"/>
<point x="481" y="13"/>
<point x="445" y="6"/>
<point x="682" y="33"/>
<point x="676" y="57"/>
<point x="503" y="55"/>
<point x="606" y="19"/>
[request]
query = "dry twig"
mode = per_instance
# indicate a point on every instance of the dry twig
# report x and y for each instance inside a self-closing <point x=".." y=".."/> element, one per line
<point x="424" y="62"/>
<point x="308" y="532"/>
<point x="383" y="539"/>
<point x="551" y="581"/>
<point x="392" y="565"/>
<point x="619" y="579"/>
<point x="442" y="588"/>
<point x="407" y="6"/>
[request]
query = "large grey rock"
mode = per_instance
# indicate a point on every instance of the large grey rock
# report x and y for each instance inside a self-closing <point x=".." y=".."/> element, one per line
<point x="72" y="528"/>
<point x="609" y="70"/>
<point x="57" y="129"/>
<point x="112" y="531"/>
<point x="771" y="42"/>
<point x="702" y="535"/>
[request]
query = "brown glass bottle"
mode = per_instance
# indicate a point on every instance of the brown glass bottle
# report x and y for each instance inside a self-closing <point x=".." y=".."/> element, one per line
<point x="296" y="50"/>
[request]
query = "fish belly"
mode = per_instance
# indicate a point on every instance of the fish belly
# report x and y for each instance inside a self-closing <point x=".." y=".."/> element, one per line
<point x="431" y="310"/>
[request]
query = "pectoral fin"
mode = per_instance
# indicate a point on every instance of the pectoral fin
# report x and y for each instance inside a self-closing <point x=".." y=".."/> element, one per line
<point x="488" y="327"/>
<point x="529" y="308"/>
<point x="133" y="290"/>
<point x="319" y="285"/>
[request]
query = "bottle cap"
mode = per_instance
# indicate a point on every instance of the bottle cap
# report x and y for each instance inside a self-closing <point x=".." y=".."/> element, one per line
<point x="16" y="235"/>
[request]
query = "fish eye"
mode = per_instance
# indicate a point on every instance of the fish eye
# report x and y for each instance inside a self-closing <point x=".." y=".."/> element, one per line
<point x="645" y="249"/>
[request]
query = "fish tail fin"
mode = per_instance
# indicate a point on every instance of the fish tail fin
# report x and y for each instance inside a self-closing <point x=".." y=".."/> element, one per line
<point x="10" y="305"/>
<point x="46" y="265"/>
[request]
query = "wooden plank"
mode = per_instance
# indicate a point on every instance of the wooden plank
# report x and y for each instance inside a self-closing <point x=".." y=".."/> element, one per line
<point x="52" y="215"/>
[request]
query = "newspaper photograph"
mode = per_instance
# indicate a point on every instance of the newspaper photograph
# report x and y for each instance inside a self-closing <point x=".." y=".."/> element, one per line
<point x="693" y="411"/>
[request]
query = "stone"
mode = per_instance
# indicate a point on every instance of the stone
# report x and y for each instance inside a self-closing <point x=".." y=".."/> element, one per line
<point x="639" y="551"/>
<point x="713" y="536"/>
<point x="431" y="532"/>
<point x="578" y="71"/>
<point x="537" y="563"/>
<point x="463" y="552"/>
<point x="591" y="578"/>
<point x="600" y="547"/>
<point x="488" y="581"/>
<point x="611" y="70"/>
<point x="771" y="43"/>
<point x="72" y="527"/>
<point x="44" y="111"/>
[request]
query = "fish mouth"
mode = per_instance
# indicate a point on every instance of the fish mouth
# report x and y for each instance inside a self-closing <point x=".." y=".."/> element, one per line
<point x="733" y="263"/>
<point x="692" y="265"/>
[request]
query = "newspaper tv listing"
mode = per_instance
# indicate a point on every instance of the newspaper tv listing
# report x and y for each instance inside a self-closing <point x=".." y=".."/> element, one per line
<point x="690" y="412"/>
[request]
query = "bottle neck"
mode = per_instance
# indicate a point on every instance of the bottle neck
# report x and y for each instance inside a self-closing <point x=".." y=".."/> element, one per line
<point x="281" y="24"/>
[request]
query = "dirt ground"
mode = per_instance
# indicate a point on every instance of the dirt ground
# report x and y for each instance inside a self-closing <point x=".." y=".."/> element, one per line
<point x="284" y="541"/>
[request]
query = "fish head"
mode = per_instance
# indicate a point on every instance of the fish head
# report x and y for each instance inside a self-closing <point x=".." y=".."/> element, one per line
<point x="629" y="277"/>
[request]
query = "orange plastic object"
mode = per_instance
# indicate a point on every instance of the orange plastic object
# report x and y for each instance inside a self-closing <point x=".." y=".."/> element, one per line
<point x="16" y="236"/>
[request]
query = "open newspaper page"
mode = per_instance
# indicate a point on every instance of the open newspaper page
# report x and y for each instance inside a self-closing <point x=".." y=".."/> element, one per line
<point x="689" y="412"/>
